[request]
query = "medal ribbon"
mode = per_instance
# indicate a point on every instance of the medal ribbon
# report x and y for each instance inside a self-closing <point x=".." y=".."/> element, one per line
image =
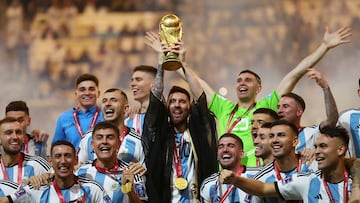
<point x="229" y="190"/>
<point x="230" y="128"/>
<point x="277" y="171"/>
<point x="137" y="125"/>
<point x="26" y="144"/>
<point x="114" y="170"/>
<point x="124" y="132"/>
<point x="258" y="162"/>
<point x="61" y="197"/>
<point x="20" y="168"/>
<point x="177" y="158"/>
<point x="346" y="183"/>
<point x="78" y="127"/>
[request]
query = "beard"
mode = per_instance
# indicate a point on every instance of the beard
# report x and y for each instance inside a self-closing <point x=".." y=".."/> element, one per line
<point x="10" y="151"/>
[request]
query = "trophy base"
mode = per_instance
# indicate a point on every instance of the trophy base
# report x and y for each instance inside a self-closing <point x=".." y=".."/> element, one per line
<point x="172" y="65"/>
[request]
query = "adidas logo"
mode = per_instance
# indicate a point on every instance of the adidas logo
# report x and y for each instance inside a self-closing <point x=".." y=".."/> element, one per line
<point x="318" y="196"/>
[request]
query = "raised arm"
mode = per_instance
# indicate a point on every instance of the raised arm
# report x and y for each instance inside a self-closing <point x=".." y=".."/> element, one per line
<point x="153" y="41"/>
<point x="332" y="114"/>
<point x="330" y="40"/>
<point x="250" y="186"/>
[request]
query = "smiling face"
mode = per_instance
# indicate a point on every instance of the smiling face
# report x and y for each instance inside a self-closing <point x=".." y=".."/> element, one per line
<point x="179" y="108"/>
<point x="63" y="160"/>
<point x="247" y="87"/>
<point x="114" y="106"/>
<point x="11" y="137"/>
<point x="141" y="83"/>
<point x="283" y="141"/>
<point x="105" y="143"/>
<point x="258" y="120"/>
<point x="262" y="143"/>
<point x="87" y="93"/>
<point x="229" y="153"/>
<point x="328" y="151"/>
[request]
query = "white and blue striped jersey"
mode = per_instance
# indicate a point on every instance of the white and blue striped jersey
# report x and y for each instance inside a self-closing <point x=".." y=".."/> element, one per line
<point x="32" y="166"/>
<point x="350" y="120"/>
<point x="268" y="174"/>
<point x="112" y="182"/>
<point x="131" y="149"/>
<point x="309" y="187"/>
<point x="188" y="169"/>
<point x="136" y="122"/>
<point x="7" y="187"/>
<point x="210" y="190"/>
<point x="85" y="188"/>
<point x="307" y="137"/>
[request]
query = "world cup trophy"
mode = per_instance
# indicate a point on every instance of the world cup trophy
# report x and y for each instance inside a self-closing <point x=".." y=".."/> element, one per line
<point x="170" y="30"/>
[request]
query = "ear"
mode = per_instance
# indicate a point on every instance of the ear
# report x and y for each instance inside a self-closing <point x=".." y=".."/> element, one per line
<point x="342" y="150"/>
<point x="295" y="141"/>
<point x="28" y="121"/>
<point x="258" y="89"/>
<point x="241" y="153"/>
<point x="299" y="112"/>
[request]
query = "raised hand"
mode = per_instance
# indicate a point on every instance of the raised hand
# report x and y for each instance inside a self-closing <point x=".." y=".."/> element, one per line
<point x="336" y="38"/>
<point x="318" y="77"/>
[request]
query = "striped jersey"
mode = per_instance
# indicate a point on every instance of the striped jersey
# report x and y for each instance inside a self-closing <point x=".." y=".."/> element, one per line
<point x="212" y="191"/>
<point x="310" y="188"/>
<point x="307" y="137"/>
<point x="136" y="122"/>
<point x="131" y="149"/>
<point x="32" y="166"/>
<point x="112" y="182"/>
<point x="186" y="154"/>
<point x="268" y="174"/>
<point x="7" y="187"/>
<point x="85" y="189"/>
<point x="350" y="120"/>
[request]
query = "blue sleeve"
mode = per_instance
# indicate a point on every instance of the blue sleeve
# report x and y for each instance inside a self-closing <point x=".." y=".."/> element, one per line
<point x="59" y="133"/>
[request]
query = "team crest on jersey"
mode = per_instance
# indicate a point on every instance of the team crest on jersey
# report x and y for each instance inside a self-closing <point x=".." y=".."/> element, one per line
<point x="287" y="180"/>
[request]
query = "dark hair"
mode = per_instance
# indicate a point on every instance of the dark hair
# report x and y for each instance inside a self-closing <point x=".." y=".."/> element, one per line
<point x="117" y="90"/>
<point x="17" y="106"/>
<point x="267" y="111"/>
<point x="144" y="68"/>
<point x="266" y="125"/>
<point x="86" y="77"/>
<point x="252" y="73"/>
<point x="334" y="132"/>
<point x="179" y="89"/>
<point x="359" y="82"/>
<point x="297" y="98"/>
<point x="106" y="125"/>
<point x="235" y="137"/>
<point x="286" y="123"/>
<point x="62" y="142"/>
<point x="8" y="119"/>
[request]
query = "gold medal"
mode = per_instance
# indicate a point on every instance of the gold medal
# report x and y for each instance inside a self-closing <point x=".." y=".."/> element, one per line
<point x="126" y="188"/>
<point x="180" y="183"/>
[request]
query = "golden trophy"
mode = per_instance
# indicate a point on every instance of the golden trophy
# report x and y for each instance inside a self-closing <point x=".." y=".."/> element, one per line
<point x="171" y="32"/>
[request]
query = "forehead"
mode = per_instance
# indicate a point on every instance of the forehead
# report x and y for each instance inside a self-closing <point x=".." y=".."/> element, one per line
<point x="62" y="149"/>
<point x="16" y="114"/>
<point x="282" y="128"/>
<point x="86" y="83"/>
<point x="246" y="75"/>
<point x="264" y="131"/>
<point x="142" y="74"/>
<point x="227" y="140"/>
<point x="10" y="125"/>
<point x="262" y="116"/>
<point x="326" y="140"/>
<point x="178" y="95"/>
<point x="287" y="100"/>
<point x="115" y="94"/>
<point x="104" y="131"/>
